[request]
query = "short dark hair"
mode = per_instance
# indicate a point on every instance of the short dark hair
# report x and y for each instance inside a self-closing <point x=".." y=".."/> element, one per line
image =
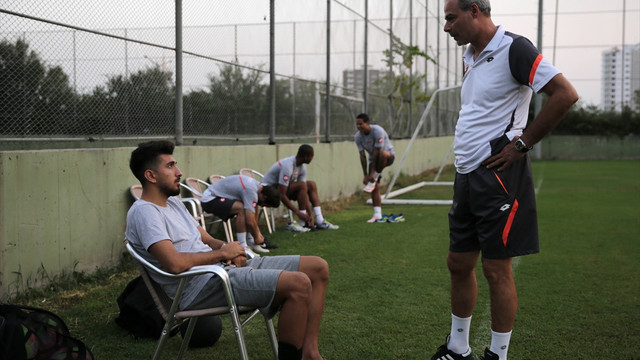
<point x="364" y="117"/>
<point x="305" y="150"/>
<point x="146" y="157"/>
<point x="271" y="196"/>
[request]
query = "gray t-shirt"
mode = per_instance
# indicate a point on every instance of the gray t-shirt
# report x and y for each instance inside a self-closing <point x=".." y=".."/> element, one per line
<point x="148" y="223"/>
<point x="377" y="138"/>
<point x="285" y="171"/>
<point x="236" y="188"/>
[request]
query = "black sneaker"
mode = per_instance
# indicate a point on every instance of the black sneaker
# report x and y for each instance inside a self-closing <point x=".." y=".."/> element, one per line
<point x="311" y="228"/>
<point x="268" y="245"/>
<point x="489" y="355"/>
<point x="444" y="353"/>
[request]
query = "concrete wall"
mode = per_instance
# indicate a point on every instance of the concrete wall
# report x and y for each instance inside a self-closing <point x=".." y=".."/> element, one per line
<point x="65" y="210"/>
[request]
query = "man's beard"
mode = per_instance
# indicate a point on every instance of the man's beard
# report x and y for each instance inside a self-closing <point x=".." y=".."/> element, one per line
<point x="170" y="191"/>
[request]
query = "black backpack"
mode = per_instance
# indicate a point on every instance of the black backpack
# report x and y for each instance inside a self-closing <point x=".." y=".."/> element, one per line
<point x="138" y="312"/>
<point x="28" y="333"/>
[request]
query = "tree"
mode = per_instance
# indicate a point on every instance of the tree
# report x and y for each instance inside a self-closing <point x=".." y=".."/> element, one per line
<point x="142" y="103"/>
<point x="404" y="88"/>
<point x="35" y="99"/>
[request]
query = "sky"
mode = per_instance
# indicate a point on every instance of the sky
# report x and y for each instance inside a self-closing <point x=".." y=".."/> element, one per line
<point x="584" y="29"/>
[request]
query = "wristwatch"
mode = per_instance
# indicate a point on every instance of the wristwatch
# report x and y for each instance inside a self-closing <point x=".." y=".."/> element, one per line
<point x="521" y="146"/>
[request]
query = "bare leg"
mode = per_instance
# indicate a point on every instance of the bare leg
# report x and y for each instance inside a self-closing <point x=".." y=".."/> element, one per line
<point x="502" y="289"/>
<point x="318" y="271"/>
<point x="464" y="286"/>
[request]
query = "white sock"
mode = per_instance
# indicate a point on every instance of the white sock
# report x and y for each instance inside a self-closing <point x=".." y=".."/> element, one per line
<point x="242" y="239"/>
<point x="303" y="223"/>
<point x="375" y="175"/>
<point x="377" y="211"/>
<point x="500" y="343"/>
<point x="250" y="240"/>
<point x="318" y="211"/>
<point x="459" y="337"/>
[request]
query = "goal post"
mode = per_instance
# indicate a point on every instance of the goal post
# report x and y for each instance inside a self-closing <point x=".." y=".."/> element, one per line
<point x="388" y="197"/>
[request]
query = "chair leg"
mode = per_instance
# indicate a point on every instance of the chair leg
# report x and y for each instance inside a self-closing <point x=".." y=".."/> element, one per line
<point x="187" y="337"/>
<point x="237" y="328"/>
<point x="272" y="337"/>
<point x="266" y="218"/>
<point x="163" y="339"/>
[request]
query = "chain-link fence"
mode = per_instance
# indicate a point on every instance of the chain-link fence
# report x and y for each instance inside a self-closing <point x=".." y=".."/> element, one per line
<point x="78" y="71"/>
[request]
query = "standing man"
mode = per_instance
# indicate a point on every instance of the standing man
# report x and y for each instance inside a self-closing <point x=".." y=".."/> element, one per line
<point x="375" y="141"/>
<point x="161" y="230"/>
<point x="238" y="195"/>
<point x="494" y="210"/>
<point x="289" y="176"/>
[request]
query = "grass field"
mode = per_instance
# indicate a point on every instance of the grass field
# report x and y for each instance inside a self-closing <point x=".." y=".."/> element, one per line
<point x="389" y="292"/>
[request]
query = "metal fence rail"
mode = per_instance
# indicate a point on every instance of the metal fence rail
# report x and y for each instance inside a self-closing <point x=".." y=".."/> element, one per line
<point x="125" y="70"/>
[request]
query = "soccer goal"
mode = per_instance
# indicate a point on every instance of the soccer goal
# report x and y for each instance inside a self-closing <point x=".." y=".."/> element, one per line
<point x="448" y="98"/>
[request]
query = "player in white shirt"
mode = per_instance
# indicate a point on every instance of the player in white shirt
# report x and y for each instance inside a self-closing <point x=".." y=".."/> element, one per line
<point x="289" y="176"/>
<point x="375" y="141"/>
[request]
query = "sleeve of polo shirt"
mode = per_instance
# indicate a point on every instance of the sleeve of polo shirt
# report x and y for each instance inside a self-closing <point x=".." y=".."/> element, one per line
<point x="378" y="135"/>
<point x="528" y="66"/>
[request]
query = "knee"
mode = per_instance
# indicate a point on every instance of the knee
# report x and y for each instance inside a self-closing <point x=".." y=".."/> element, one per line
<point x="301" y="287"/>
<point x="497" y="271"/>
<point x="311" y="186"/>
<point x="459" y="266"/>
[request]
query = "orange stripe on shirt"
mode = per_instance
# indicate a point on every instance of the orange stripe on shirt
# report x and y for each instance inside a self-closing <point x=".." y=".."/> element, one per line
<point x="242" y="183"/>
<point x="534" y="68"/>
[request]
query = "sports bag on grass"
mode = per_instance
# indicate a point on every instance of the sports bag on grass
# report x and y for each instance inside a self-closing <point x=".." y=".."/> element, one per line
<point x="28" y="333"/>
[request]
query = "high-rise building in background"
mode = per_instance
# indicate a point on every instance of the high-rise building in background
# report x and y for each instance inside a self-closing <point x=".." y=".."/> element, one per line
<point x="354" y="79"/>
<point x="620" y="78"/>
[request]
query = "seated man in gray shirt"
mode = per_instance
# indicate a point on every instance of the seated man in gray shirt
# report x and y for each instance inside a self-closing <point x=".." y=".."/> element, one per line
<point x="238" y="195"/>
<point x="161" y="230"/>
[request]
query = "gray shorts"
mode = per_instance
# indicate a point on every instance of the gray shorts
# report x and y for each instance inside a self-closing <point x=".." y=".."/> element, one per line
<point x="253" y="285"/>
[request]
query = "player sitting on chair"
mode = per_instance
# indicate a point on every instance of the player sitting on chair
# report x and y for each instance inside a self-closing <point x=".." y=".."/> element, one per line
<point x="161" y="230"/>
<point x="289" y="175"/>
<point x="239" y="195"/>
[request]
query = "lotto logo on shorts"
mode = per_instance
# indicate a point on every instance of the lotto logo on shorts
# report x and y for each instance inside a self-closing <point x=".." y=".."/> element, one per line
<point x="223" y="199"/>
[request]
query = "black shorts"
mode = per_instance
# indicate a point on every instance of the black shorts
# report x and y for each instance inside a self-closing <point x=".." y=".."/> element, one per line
<point x="495" y="212"/>
<point x="220" y="207"/>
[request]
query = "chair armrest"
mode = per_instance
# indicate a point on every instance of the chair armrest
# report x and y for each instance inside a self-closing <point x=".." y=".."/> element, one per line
<point x="196" y="270"/>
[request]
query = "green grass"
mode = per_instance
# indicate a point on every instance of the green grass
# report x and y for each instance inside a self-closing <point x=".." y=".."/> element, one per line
<point x="389" y="292"/>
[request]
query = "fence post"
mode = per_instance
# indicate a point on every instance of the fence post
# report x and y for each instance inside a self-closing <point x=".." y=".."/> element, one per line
<point x="178" y="105"/>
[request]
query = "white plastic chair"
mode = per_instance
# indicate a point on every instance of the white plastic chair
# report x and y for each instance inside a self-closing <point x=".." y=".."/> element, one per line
<point x="169" y="308"/>
<point x="197" y="187"/>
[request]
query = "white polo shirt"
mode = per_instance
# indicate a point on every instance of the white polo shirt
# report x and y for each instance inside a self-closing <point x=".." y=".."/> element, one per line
<point x="496" y="91"/>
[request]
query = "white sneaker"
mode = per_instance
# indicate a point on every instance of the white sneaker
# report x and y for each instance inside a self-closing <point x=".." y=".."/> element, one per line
<point x="370" y="186"/>
<point x="259" y="249"/>
<point x="295" y="227"/>
<point x="374" y="219"/>
<point x="327" y="226"/>
<point x="250" y="253"/>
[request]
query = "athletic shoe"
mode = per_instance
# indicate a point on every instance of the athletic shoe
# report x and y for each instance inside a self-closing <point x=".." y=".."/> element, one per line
<point x="327" y="226"/>
<point x="250" y="253"/>
<point x="444" y="353"/>
<point x="370" y="186"/>
<point x="374" y="219"/>
<point x="259" y="248"/>
<point x="268" y="244"/>
<point x="489" y="355"/>
<point x="384" y="218"/>
<point x="396" y="218"/>
<point x="295" y="227"/>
